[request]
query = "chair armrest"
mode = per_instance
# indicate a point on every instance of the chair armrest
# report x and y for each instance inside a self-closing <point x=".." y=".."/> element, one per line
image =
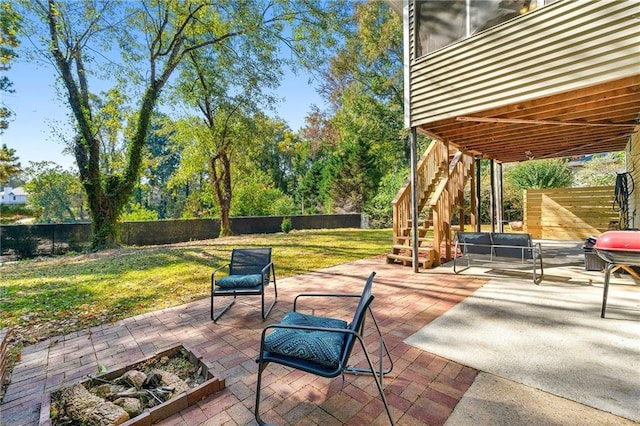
<point x="265" y="270"/>
<point x="295" y="301"/>
<point x="213" y="274"/>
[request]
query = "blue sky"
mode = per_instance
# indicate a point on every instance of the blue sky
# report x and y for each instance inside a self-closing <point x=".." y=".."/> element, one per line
<point x="39" y="111"/>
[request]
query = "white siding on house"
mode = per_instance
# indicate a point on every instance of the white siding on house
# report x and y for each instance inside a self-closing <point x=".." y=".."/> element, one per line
<point x="12" y="196"/>
<point x="564" y="46"/>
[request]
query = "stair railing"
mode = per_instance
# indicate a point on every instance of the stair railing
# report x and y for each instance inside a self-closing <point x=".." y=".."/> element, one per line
<point x="428" y="172"/>
<point x="447" y="194"/>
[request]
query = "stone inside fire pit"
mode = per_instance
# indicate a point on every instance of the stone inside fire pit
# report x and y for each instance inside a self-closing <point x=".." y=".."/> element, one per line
<point x="140" y="394"/>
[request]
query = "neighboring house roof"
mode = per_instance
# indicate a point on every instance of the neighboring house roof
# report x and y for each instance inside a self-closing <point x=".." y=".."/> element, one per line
<point x="15" y="191"/>
<point x="13" y="195"/>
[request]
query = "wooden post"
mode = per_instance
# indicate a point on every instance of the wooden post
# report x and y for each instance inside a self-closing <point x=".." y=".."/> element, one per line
<point x="473" y="201"/>
<point x="478" y="203"/>
<point x="499" y="204"/>
<point x="414" y="199"/>
<point x="492" y="196"/>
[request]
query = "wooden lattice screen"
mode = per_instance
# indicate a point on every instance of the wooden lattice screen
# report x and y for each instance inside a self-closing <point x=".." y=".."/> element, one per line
<point x="569" y="214"/>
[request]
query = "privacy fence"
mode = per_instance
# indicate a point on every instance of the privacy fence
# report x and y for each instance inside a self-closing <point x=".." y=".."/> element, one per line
<point x="22" y="241"/>
<point x="570" y="214"/>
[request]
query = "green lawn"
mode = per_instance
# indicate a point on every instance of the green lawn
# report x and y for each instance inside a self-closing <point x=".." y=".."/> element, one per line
<point x="51" y="296"/>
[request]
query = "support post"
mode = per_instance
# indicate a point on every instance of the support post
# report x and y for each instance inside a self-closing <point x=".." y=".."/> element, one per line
<point x="478" y="162"/>
<point x="492" y="196"/>
<point x="414" y="198"/>
<point x="499" y="198"/>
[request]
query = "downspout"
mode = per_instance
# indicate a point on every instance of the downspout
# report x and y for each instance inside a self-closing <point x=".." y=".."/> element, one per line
<point x="412" y="133"/>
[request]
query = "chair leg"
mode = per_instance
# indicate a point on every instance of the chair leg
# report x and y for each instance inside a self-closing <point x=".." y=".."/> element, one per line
<point x="537" y="279"/>
<point x="456" y="269"/>
<point x="377" y="379"/>
<point x="261" y="367"/>
<point x="605" y="291"/>
<point x="215" y="318"/>
<point x="266" y="314"/>
<point x="383" y="346"/>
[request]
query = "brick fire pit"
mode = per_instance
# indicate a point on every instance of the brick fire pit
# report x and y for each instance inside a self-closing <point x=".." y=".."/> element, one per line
<point x="154" y="414"/>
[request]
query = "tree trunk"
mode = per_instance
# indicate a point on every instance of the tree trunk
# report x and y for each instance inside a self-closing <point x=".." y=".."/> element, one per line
<point x="104" y="229"/>
<point x="221" y="182"/>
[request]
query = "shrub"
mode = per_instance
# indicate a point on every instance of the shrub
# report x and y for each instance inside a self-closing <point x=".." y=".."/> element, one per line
<point x="286" y="225"/>
<point x="137" y="212"/>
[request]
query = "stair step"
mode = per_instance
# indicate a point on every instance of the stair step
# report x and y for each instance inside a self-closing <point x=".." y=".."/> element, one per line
<point x="421" y="231"/>
<point x="409" y="238"/>
<point x="408" y="260"/>
<point x="424" y="249"/>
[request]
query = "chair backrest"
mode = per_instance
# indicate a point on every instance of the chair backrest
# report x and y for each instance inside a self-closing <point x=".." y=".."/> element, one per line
<point x="249" y="261"/>
<point x="512" y="240"/>
<point x="474" y="242"/>
<point x="358" y="318"/>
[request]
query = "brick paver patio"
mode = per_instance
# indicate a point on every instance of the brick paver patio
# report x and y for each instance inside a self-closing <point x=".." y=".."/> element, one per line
<point x="422" y="388"/>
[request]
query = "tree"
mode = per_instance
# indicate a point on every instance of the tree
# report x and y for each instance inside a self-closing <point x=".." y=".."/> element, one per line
<point x="317" y="139"/>
<point x="380" y="207"/>
<point x="161" y="162"/>
<point x="9" y="164"/>
<point x="364" y="85"/>
<point x="55" y="192"/>
<point x="540" y="174"/>
<point x="10" y="23"/>
<point x="600" y="170"/>
<point x="255" y="195"/>
<point x="160" y="34"/>
<point x="229" y="83"/>
<point x="226" y="124"/>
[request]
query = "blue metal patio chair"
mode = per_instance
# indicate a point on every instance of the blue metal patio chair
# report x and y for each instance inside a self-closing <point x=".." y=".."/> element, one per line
<point x="250" y="272"/>
<point x="321" y="345"/>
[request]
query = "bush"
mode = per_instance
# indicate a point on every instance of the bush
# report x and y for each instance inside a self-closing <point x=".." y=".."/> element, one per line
<point x="380" y="209"/>
<point x="286" y="225"/>
<point x="138" y="213"/>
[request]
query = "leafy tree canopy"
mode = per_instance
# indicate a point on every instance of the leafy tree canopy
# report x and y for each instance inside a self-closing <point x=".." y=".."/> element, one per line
<point x="540" y="174"/>
<point x="9" y="164"/>
<point x="85" y="43"/>
<point x="10" y="24"/>
<point x="600" y="170"/>
<point x="55" y="192"/>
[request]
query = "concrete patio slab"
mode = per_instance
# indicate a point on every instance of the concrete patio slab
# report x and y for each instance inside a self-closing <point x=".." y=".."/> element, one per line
<point x="495" y="401"/>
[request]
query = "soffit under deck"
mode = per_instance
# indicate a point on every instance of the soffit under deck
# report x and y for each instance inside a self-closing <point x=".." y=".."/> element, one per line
<point x="595" y="119"/>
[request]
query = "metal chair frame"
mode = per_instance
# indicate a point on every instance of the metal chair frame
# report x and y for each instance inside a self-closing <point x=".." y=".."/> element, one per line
<point x="353" y="333"/>
<point x="267" y="270"/>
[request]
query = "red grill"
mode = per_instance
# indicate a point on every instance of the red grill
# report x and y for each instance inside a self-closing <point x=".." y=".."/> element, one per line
<point x="619" y="249"/>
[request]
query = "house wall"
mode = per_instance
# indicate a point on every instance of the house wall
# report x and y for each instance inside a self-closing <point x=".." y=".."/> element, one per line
<point x="633" y="167"/>
<point x="570" y="214"/>
<point x="563" y="46"/>
<point x="9" y="198"/>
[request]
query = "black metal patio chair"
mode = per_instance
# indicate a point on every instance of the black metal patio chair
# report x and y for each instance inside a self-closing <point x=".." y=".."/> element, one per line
<point x="322" y="345"/>
<point x="250" y="272"/>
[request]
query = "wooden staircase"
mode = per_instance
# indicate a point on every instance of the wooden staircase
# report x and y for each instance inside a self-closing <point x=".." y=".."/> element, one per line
<point x="441" y="176"/>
